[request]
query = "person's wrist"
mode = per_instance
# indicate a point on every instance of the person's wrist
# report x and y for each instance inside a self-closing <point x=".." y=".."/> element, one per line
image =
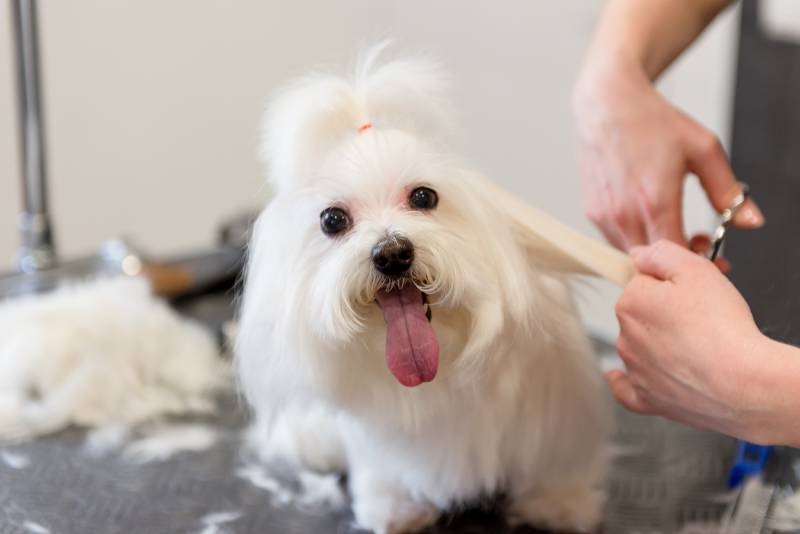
<point x="786" y="406"/>
<point x="602" y="79"/>
<point x="770" y="407"/>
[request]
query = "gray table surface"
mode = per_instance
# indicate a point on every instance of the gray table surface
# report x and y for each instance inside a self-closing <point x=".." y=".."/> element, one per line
<point x="666" y="476"/>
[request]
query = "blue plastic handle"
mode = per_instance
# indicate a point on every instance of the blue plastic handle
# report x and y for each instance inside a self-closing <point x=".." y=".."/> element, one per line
<point x="750" y="460"/>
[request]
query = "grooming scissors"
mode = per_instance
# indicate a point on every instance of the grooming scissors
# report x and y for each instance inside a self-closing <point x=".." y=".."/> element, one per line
<point x="726" y="219"/>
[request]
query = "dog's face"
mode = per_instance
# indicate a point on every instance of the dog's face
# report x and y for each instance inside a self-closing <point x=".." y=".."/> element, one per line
<point x="376" y="245"/>
<point x="395" y="233"/>
<point x="387" y="231"/>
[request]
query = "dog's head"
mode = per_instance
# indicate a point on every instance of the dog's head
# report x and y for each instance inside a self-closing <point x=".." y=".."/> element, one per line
<point x="374" y="223"/>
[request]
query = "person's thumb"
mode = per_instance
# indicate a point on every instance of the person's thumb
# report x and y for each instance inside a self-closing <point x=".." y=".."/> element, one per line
<point x="708" y="161"/>
<point x="624" y="392"/>
<point x="663" y="260"/>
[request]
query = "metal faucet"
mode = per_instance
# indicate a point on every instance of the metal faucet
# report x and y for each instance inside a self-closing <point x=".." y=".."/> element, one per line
<point x="37" y="243"/>
<point x="38" y="267"/>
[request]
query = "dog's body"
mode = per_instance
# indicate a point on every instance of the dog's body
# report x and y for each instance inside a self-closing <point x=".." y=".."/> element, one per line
<point x="333" y="308"/>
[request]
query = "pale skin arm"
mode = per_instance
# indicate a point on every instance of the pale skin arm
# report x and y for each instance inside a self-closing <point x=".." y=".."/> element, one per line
<point x="650" y="34"/>
<point x="691" y="348"/>
<point x="697" y="356"/>
<point x="635" y="148"/>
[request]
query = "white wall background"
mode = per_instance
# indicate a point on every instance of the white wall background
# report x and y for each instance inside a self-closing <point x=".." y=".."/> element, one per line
<point x="780" y="19"/>
<point x="152" y="105"/>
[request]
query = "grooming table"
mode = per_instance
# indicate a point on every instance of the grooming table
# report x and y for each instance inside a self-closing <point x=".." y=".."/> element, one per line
<point x="665" y="477"/>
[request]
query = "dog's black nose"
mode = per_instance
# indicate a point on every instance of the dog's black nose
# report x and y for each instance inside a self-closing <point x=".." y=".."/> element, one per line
<point x="393" y="256"/>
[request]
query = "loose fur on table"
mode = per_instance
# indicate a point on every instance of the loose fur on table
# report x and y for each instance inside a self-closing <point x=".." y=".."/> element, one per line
<point x="507" y="395"/>
<point x="103" y="353"/>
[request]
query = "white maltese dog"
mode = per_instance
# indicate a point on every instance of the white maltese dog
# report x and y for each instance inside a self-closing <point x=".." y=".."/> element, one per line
<point x="398" y="324"/>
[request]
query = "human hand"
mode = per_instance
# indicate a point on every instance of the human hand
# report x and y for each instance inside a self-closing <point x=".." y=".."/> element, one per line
<point x="635" y="149"/>
<point x="690" y="345"/>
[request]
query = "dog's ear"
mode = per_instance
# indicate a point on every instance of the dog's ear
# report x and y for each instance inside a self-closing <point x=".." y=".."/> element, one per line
<point x="313" y="115"/>
<point x="557" y="247"/>
<point x="302" y="123"/>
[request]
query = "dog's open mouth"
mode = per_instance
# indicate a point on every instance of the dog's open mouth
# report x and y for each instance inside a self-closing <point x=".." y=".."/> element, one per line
<point x="412" y="350"/>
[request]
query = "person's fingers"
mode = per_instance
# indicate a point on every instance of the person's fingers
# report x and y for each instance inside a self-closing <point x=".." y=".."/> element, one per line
<point x="625" y="393"/>
<point x="663" y="260"/>
<point x="660" y="204"/>
<point x="596" y="202"/>
<point x="668" y="224"/>
<point x="621" y="214"/>
<point x="613" y="235"/>
<point x="749" y="216"/>
<point x="700" y="244"/>
<point x="633" y="232"/>
<point x="610" y="206"/>
<point x="707" y="159"/>
<point x="618" y="223"/>
<point x="723" y="264"/>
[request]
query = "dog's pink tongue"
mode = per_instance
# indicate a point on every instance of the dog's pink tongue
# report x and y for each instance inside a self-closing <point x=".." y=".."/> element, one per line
<point x="412" y="351"/>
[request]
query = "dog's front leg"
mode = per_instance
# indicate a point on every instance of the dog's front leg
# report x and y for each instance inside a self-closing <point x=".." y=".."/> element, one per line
<point x="571" y="506"/>
<point x="385" y="507"/>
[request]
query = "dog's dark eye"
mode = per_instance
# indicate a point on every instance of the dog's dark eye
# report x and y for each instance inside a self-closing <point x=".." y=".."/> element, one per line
<point x="423" y="198"/>
<point x="334" y="220"/>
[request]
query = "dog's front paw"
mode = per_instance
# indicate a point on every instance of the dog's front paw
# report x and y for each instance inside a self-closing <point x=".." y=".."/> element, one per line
<point x="574" y="508"/>
<point x="389" y="512"/>
<point x="20" y="420"/>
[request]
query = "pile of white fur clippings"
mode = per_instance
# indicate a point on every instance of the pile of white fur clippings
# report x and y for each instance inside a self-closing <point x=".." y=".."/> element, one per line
<point x="107" y="355"/>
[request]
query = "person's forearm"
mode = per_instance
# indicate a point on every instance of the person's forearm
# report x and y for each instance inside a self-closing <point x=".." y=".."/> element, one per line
<point x="775" y="395"/>
<point x="650" y="34"/>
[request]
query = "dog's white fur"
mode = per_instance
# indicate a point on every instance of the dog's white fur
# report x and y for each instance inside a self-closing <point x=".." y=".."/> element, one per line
<point x="518" y="404"/>
<point x="98" y="353"/>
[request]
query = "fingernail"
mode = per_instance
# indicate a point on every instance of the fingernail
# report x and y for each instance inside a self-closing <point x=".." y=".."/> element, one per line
<point x="699" y="243"/>
<point x="723" y="265"/>
<point x="750" y="216"/>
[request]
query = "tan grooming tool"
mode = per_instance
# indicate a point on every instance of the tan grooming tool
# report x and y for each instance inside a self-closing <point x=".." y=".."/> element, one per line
<point x="168" y="281"/>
